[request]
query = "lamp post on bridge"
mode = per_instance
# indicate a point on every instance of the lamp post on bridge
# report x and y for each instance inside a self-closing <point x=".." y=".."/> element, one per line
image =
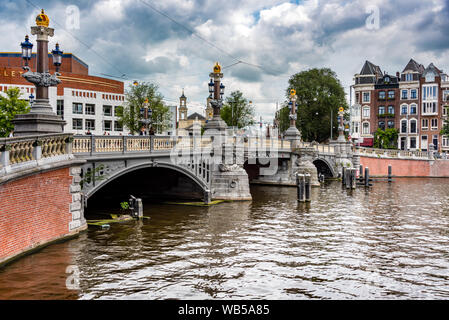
<point x="41" y="119"/>
<point x="341" y="128"/>
<point x="292" y="132"/>
<point x="216" y="91"/>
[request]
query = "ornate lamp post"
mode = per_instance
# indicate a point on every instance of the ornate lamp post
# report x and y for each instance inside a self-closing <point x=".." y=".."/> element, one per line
<point x="41" y="119"/>
<point x="216" y="93"/>
<point x="341" y="128"/>
<point x="292" y="132"/>
<point x="147" y="114"/>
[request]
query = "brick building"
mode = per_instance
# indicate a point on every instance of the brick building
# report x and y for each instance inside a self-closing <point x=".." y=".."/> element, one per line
<point x="413" y="101"/>
<point x="85" y="102"/>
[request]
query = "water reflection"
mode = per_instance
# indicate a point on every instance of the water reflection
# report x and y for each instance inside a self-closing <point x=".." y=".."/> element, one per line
<point x="389" y="242"/>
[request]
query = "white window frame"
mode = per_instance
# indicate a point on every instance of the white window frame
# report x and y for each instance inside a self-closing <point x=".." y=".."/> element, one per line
<point x="424" y="127"/>
<point x="406" y="126"/>
<point x="363" y="97"/>
<point x="363" y="128"/>
<point x="404" y="105"/>
<point x="410" y="125"/>
<point x="432" y="121"/>
<point x="402" y="95"/>
<point x="363" y="112"/>
<point x="410" y="108"/>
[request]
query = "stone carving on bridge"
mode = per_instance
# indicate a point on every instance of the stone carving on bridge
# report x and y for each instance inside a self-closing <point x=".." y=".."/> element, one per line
<point x="230" y="168"/>
<point x="42" y="79"/>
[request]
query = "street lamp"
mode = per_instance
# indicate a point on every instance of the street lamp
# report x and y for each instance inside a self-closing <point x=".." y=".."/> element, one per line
<point x="57" y="57"/>
<point x="31" y="97"/>
<point x="27" y="46"/>
<point x="216" y="91"/>
<point x="41" y="119"/>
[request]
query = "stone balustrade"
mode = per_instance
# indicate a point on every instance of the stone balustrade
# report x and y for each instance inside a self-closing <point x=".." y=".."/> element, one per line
<point x="26" y="151"/>
<point x="125" y="144"/>
<point x="391" y="153"/>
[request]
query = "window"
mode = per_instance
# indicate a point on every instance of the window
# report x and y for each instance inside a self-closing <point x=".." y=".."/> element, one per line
<point x="381" y="95"/>
<point x="118" y="111"/>
<point x="90" y="124"/>
<point x="355" y="127"/>
<point x="412" y="143"/>
<point x="429" y="93"/>
<point x="391" y="94"/>
<point x="107" y="110"/>
<point x="404" y="109"/>
<point x="434" y="124"/>
<point x="60" y="108"/>
<point x="366" y="128"/>
<point x="413" y="109"/>
<point x="445" y="110"/>
<point x="409" y="77"/>
<point x="429" y="107"/>
<point x="77" y="108"/>
<point x="381" y="110"/>
<point x="390" y="124"/>
<point x="404" y="94"/>
<point x="90" y="109"/>
<point x="366" y="97"/>
<point x="413" y="94"/>
<point x="413" y="126"/>
<point x="445" y="141"/>
<point x="391" y="110"/>
<point x="357" y="97"/>
<point x="77" y="124"/>
<point x="366" y="112"/>
<point x="382" y="125"/>
<point x="117" y="126"/>
<point x="430" y="77"/>
<point x="107" y="125"/>
<point x="403" y="126"/>
<point x="425" y="124"/>
<point x="424" y="143"/>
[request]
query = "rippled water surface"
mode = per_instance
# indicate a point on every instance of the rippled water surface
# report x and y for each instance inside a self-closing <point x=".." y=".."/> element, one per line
<point x="389" y="243"/>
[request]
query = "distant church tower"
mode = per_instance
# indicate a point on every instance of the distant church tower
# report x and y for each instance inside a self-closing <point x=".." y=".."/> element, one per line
<point x="209" y="110"/>
<point x="182" y="107"/>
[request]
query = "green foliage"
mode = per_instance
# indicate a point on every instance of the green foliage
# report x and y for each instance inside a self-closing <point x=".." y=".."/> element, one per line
<point x="89" y="176"/>
<point x="386" y="139"/>
<point x="10" y="106"/>
<point x="124" y="205"/>
<point x="318" y="92"/>
<point x="445" y="130"/>
<point x="130" y="116"/>
<point x="237" y="112"/>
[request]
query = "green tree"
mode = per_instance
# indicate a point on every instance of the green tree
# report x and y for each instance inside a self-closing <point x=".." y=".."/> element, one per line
<point x="282" y="117"/>
<point x="10" y="106"/>
<point x="318" y="92"/>
<point x="445" y="130"/>
<point x="131" y="117"/>
<point x="386" y="139"/>
<point x="236" y="111"/>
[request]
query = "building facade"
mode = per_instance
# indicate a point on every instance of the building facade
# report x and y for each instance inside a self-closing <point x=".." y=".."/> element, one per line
<point x="87" y="103"/>
<point x="413" y="101"/>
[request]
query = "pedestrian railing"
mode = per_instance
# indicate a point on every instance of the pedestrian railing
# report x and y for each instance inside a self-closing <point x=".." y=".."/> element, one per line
<point x="388" y="153"/>
<point x="21" y="150"/>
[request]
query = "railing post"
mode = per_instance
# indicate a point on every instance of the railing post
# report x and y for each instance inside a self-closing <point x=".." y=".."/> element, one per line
<point x="37" y="150"/>
<point x="151" y="143"/>
<point x="4" y="156"/>
<point x="92" y="144"/>
<point x="69" y="145"/>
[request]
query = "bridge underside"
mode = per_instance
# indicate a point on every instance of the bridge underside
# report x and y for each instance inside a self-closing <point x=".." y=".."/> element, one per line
<point x="151" y="184"/>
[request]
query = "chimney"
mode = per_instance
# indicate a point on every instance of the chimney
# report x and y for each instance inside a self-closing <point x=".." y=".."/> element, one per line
<point x="397" y="74"/>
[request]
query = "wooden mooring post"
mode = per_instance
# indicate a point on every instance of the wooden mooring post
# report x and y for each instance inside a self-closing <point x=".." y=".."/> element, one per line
<point x="300" y="185"/>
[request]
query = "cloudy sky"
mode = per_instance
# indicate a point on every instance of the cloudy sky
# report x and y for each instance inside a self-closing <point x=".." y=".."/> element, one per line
<point x="176" y="42"/>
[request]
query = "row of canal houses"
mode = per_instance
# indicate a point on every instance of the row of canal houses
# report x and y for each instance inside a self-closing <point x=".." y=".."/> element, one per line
<point x="414" y="101"/>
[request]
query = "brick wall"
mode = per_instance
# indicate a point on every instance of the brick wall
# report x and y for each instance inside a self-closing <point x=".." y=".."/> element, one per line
<point x="406" y="168"/>
<point x="34" y="210"/>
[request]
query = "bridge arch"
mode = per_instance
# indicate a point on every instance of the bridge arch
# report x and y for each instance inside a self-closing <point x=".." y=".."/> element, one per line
<point x="325" y="167"/>
<point x="122" y="172"/>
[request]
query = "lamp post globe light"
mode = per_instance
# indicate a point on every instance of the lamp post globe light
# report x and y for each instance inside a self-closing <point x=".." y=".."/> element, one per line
<point x="27" y="47"/>
<point x="216" y="93"/>
<point x="41" y="119"/>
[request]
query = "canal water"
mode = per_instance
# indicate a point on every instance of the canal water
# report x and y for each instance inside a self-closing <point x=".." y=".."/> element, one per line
<point x="391" y="242"/>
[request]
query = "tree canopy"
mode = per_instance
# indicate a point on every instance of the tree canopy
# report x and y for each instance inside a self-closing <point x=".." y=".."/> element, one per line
<point x="386" y="139"/>
<point x="318" y="92"/>
<point x="236" y="111"/>
<point x="10" y="106"/>
<point x="130" y="115"/>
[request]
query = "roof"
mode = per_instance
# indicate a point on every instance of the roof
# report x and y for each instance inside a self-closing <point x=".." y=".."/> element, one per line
<point x="432" y="68"/>
<point x="33" y="55"/>
<point x="412" y="65"/>
<point x="370" y="68"/>
<point x="195" y="115"/>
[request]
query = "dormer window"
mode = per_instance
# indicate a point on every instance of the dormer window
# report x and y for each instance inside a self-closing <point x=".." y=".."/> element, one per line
<point x="387" y="79"/>
<point x="430" y="77"/>
<point x="409" y="77"/>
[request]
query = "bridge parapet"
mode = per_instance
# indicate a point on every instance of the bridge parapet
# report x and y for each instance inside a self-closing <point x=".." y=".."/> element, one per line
<point x="26" y="152"/>
<point x="389" y="153"/>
